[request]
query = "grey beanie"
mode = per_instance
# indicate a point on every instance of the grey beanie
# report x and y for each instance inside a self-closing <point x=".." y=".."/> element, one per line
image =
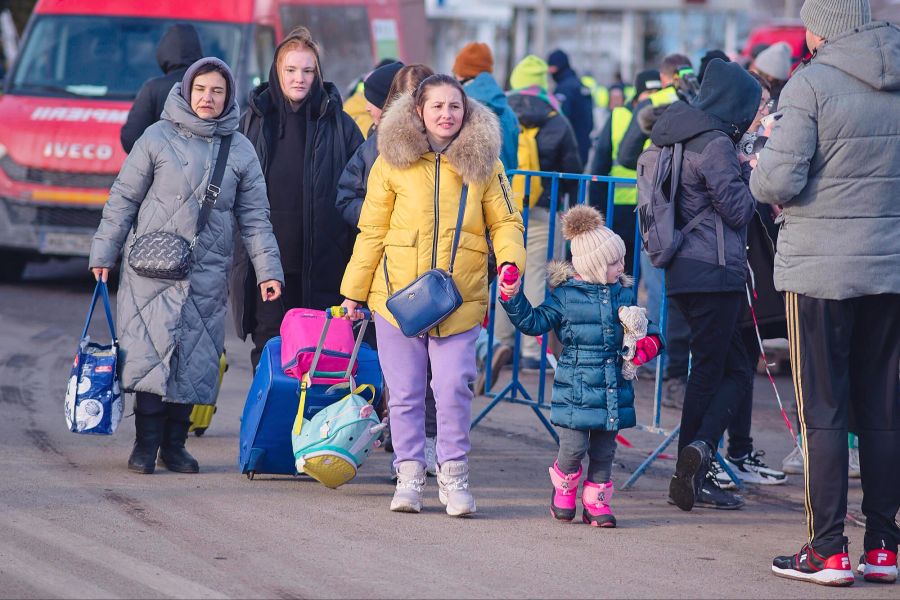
<point x="827" y="18"/>
<point x="188" y="80"/>
<point x="775" y="61"/>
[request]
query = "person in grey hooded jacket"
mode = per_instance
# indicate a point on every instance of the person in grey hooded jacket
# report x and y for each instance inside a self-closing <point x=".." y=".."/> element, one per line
<point x="833" y="163"/>
<point x="171" y="333"/>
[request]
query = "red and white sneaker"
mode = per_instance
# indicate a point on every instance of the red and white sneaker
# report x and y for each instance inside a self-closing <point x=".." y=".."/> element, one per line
<point x="878" y="566"/>
<point x="808" y="565"/>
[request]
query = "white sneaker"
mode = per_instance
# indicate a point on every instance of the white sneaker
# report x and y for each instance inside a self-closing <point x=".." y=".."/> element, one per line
<point x="410" y="483"/>
<point x="793" y="462"/>
<point x="722" y="477"/>
<point x="453" y="488"/>
<point x="431" y="467"/>
<point x="751" y="469"/>
<point x="853" y="468"/>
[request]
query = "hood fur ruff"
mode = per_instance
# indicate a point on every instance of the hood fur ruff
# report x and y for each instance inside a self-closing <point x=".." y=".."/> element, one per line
<point x="560" y="271"/>
<point x="474" y="152"/>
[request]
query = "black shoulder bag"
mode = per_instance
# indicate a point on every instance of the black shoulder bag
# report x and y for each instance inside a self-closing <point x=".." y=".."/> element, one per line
<point x="430" y="298"/>
<point x="165" y="255"/>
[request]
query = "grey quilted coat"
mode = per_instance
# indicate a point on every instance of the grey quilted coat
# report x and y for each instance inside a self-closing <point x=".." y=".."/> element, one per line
<point x="833" y="161"/>
<point x="172" y="332"/>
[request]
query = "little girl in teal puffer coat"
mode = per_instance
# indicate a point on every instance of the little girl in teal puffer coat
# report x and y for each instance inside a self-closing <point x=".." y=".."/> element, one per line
<point x="591" y="401"/>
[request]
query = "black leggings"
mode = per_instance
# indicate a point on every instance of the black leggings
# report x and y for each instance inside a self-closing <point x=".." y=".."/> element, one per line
<point x="152" y="405"/>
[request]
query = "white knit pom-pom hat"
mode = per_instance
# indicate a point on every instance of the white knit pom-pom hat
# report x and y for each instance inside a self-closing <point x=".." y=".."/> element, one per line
<point x="594" y="246"/>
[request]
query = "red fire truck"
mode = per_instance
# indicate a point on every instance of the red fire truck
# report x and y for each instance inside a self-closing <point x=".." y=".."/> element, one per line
<point x="81" y="64"/>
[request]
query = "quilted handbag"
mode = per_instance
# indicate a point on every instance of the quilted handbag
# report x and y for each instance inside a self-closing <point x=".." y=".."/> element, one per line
<point x="166" y="255"/>
<point x="94" y="399"/>
<point x="430" y="298"/>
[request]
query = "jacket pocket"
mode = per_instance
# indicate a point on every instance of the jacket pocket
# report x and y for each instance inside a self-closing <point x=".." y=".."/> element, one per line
<point x="401" y="258"/>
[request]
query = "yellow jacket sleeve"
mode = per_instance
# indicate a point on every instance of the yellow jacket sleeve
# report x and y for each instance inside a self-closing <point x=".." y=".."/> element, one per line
<point x="503" y="220"/>
<point x="373" y="226"/>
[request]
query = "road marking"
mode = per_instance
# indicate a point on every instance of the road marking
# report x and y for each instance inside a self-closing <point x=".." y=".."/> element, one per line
<point x="107" y="557"/>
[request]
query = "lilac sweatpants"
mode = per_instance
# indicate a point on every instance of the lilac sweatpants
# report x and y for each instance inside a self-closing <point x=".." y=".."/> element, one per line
<point x="404" y="362"/>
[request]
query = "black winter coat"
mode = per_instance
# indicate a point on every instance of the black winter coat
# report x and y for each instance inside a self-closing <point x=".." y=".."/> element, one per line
<point x="331" y="139"/>
<point x="178" y="49"/>
<point x="711" y="175"/>
<point x="578" y="106"/>
<point x="557" y="146"/>
<point x="351" y="190"/>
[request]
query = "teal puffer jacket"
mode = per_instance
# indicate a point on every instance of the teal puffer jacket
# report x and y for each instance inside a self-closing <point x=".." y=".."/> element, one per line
<point x="588" y="390"/>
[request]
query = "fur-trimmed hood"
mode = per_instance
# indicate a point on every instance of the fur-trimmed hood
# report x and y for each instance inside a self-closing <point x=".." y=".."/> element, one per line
<point x="560" y="271"/>
<point x="474" y="152"/>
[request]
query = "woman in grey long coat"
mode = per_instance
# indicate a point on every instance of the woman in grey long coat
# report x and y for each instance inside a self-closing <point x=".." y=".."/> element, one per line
<point x="171" y="332"/>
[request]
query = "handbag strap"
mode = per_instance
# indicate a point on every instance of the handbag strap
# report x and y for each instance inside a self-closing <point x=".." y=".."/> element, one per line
<point x="213" y="189"/>
<point x="459" y="221"/>
<point x="101" y="291"/>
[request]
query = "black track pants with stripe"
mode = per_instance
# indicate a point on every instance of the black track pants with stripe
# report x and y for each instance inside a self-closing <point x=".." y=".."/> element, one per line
<point x="845" y="356"/>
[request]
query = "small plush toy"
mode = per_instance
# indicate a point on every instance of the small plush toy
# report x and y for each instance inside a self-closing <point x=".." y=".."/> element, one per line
<point x="634" y="320"/>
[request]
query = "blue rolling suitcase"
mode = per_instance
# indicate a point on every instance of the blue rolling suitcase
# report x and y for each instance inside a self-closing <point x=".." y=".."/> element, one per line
<point x="272" y="404"/>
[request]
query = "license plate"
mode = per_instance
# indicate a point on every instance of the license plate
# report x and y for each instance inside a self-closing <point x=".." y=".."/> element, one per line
<point x="71" y="244"/>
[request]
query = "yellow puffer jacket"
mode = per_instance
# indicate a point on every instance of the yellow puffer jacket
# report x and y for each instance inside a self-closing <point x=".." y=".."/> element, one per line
<point x="411" y="207"/>
<point x="355" y="106"/>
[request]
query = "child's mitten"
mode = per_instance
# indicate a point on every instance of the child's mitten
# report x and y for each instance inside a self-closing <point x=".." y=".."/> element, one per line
<point x="646" y="350"/>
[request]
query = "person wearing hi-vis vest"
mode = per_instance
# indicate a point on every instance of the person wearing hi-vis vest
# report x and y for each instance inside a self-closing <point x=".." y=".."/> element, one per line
<point x="636" y="136"/>
<point x="605" y="162"/>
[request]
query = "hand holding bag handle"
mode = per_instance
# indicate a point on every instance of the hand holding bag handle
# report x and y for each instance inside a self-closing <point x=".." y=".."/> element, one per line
<point x="101" y="291"/>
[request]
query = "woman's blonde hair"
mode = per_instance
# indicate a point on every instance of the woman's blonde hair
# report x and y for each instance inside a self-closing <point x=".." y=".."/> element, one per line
<point x="406" y="81"/>
<point x="299" y="38"/>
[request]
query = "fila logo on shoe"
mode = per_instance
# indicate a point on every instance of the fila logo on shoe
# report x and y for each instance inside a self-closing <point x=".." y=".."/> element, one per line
<point x="882" y="557"/>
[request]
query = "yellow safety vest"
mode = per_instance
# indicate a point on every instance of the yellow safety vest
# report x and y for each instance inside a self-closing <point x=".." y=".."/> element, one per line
<point x="625" y="195"/>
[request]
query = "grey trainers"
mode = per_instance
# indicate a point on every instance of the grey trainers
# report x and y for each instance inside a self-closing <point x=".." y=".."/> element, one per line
<point x="793" y="462"/>
<point x="853" y="467"/>
<point x="453" y="488"/>
<point x="431" y="456"/>
<point x="410" y="483"/>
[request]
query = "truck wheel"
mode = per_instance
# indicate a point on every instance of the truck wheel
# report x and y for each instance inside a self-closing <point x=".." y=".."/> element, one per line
<point x="12" y="265"/>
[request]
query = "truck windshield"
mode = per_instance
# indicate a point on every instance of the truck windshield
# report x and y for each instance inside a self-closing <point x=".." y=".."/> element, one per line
<point x="104" y="57"/>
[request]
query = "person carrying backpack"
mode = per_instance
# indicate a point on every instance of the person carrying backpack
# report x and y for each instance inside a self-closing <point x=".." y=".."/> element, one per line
<point x="546" y="143"/>
<point x="703" y="250"/>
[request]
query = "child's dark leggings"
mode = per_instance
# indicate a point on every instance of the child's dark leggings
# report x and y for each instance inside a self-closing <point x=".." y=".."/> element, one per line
<point x="598" y="444"/>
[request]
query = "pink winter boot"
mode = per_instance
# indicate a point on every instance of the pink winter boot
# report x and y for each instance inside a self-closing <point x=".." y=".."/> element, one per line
<point x="595" y="498"/>
<point x="562" y="503"/>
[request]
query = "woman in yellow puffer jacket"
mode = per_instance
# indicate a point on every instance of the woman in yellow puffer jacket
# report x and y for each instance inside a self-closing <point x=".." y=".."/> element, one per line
<point x="430" y="144"/>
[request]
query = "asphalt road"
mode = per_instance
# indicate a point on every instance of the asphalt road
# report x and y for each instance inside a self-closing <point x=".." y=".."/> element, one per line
<point x="75" y="523"/>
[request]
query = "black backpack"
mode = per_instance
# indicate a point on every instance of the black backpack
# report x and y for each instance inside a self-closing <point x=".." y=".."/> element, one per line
<point x="658" y="179"/>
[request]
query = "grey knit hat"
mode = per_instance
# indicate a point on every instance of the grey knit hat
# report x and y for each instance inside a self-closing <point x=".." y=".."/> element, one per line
<point x="828" y="18"/>
<point x="775" y="61"/>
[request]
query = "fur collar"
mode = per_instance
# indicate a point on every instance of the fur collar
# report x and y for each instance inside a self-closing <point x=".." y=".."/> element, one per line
<point x="402" y="141"/>
<point x="560" y="271"/>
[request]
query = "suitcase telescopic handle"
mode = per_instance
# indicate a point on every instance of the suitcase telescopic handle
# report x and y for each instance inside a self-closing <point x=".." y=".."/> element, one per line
<point x="339" y="311"/>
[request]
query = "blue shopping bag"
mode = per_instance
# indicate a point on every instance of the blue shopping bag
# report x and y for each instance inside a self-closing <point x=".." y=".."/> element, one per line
<point x="93" y="398"/>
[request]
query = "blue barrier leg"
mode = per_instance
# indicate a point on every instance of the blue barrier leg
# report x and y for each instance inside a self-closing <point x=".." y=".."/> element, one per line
<point x="653" y="456"/>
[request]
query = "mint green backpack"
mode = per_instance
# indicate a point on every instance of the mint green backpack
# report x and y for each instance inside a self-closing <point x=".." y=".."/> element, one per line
<point x="332" y="445"/>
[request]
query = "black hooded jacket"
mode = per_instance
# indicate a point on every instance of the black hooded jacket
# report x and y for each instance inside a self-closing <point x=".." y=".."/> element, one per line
<point x="178" y="49"/>
<point x="325" y="241"/>
<point x="577" y="106"/>
<point x="556" y="143"/>
<point x="711" y="175"/>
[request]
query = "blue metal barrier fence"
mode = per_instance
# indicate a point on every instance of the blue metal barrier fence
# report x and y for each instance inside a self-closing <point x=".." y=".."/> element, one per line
<point x="514" y="392"/>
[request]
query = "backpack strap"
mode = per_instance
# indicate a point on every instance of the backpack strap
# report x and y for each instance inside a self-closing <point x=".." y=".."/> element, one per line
<point x="677" y="158"/>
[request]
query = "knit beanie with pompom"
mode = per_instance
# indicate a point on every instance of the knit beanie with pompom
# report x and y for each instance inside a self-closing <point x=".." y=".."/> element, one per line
<point x="594" y="246"/>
